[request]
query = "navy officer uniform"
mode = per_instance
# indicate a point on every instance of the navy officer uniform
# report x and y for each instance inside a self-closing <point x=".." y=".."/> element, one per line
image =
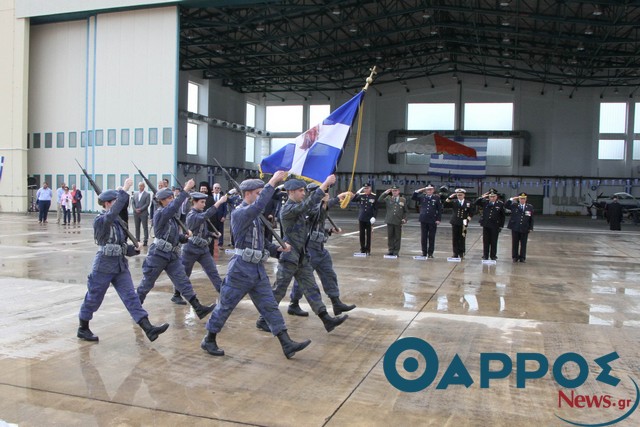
<point x="430" y="217"/>
<point x="320" y="259"/>
<point x="164" y="251"/>
<point x="246" y="273"/>
<point x="462" y="213"/>
<point x="367" y="213"/>
<point x="111" y="267"/>
<point x="197" y="247"/>
<point x="520" y="224"/>
<point x="492" y="221"/>
<point x="296" y="262"/>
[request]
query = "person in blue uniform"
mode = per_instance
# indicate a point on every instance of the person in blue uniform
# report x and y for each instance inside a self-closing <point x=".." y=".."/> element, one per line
<point x="367" y="212"/>
<point x="320" y="258"/>
<point x="246" y="273"/>
<point x="462" y="213"/>
<point x="430" y="217"/>
<point x="492" y="221"/>
<point x="164" y="252"/>
<point x="111" y="267"/>
<point x="520" y="224"/>
<point x="197" y="247"/>
<point x="295" y="263"/>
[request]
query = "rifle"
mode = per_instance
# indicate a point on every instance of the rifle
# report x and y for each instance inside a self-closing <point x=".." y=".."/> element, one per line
<point x="154" y="190"/>
<point x="98" y="190"/>
<point x="264" y="220"/>
<point x="215" y="231"/>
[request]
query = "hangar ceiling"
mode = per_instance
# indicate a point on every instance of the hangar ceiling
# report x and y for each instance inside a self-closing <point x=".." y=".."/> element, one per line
<point x="302" y="46"/>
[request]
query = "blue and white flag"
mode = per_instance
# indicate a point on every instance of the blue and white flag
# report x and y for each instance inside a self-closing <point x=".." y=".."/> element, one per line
<point x="1" y="165"/>
<point x="461" y="166"/>
<point x="314" y="154"/>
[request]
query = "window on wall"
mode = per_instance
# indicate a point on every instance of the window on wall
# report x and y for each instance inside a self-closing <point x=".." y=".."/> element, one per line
<point x="72" y="181"/>
<point x="488" y="116"/>
<point x="317" y="113"/>
<point x="251" y="115"/>
<point x="59" y="180"/>
<point x="613" y="117"/>
<point x="437" y="116"/>
<point x="284" y="118"/>
<point x="124" y="137"/>
<point x="83" y="139"/>
<point x="111" y="137"/>
<point x="636" y="132"/>
<point x="111" y="182"/>
<point x="36" y="142"/>
<point x="48" y="140"/>
<point x="73" y="139"/>
<point x="153" y="136"/>
<point x="123" y="178"/>
<point x="250" y="149"/>
<point x="166" y="136"/>
<point x="192" y="139"/>
<point x="138" y="138"/>
<point x="636" y="149"/>
<point x="99" y="138"/>
<point x="98" y="180"/>
<point x="90" y="140"/>
<point x="60" y="140"/>
<point x="192" y="97"/>
<point x="499" y="152"/>
<point x="611" y="149"/>
<point x="47" y="179"/>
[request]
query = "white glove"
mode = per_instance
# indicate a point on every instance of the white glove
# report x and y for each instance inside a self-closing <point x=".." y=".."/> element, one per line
<point x="372" y="220"/>
<point x="464" y="222"/>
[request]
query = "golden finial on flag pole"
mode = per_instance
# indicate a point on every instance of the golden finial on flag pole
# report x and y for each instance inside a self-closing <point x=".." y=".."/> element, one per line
<point x="370" y="78"/>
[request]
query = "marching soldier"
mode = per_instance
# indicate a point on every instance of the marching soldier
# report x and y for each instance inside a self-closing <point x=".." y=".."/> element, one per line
<point x="430" y="217"/>
<point x="293" y="216"/>
<point x="520" y="224"/>
<point x="111" y="267"/>
<point x="462" y="213"/>
<point x="320" y="258"/>
<point x="163" y="252"/>
<point x="197" y="247"/>
<point x="395" y="217"/>
<point x="492" y="221"/>
<point x="246" y="273"/>
<point x="366" y="216"/>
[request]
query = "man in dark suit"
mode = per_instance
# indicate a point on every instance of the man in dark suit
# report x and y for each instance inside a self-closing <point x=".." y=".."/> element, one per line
<point x="492" y="222"/>
<point x="614" y="214"/>
<point x="219" y="217"/>
<point x="140" y="203"/>
<point x="520" y="224"/>
<point x="462" y="213"/>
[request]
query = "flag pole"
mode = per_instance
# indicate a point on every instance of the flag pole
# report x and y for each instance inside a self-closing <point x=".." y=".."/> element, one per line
<point x="369" y="80"/>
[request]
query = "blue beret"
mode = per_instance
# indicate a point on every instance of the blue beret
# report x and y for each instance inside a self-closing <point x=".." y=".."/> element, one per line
<point x="251" y="184"/>
<point x="196" y="195"/>
<point x="313" y="186"/>
<point x="164" y="193"/>
<point x="294" y="184"/>
<point x="107" y="196"/>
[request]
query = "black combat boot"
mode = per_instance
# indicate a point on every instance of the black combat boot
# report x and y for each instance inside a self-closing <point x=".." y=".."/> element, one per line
<point x="84" y="333"/>
<point x="295" y="310"/>
<point x="209" y="345"/>
<point x="201" y="310"/>
<point x="330" y="323"/>
<point x="152" y="331"/>
<point x="177" y="298"/>
<point x="339" y="307"/>
<point x="262" y="324"/>
<point x="289" y="347"/>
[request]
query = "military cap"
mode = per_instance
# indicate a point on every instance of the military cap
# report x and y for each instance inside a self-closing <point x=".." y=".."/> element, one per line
<point x="523" y="194"/>
<point x="460" y="190"/>
<point x="430" y="187"/>
<point x="294" y="184"/>
<point x="395" y="187"/>
<point x="107" y="196"/>
<point x="367" y="185"/>
<point x="312" y="187"/>
<point x="196" y="195"/>
<point x="493" y="192"/>
<point x="251" y="184"/>
<point x="164" y="193"/>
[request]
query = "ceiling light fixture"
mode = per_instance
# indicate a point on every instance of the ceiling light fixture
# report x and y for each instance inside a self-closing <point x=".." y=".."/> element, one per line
<point x="426" y="14"/>
<point x="260" y="27"/>
<point x="589" y="30"/>
<point x="597" y="11"/>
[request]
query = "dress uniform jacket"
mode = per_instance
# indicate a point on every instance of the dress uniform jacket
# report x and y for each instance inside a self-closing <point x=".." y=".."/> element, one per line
<point x="492" y="214"/>
<point x="430" y="207"/>
<point x="460" y="211"/>
<point x="396" y="210"/>
<point x="521" y="217"/>
<point x="367" y="206"/>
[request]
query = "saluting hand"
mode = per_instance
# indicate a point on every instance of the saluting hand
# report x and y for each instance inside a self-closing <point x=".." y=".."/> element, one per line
<point x="277" y="178"/>
<point x="188" y="186"/>
<point x="127" y="184"/>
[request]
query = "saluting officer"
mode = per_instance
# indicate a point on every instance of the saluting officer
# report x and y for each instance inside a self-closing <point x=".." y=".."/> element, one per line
<point x="320" y="257"/>
<point x="492" y="221"/>
<point x="293" y="216"/>
<point x="430" y="217"/>
<point x="111" y="267"/>
<point x="462" y="213"/>
<point x="395" y="217"/>
<point x="520" y="224"/>
<point x="366" y="216"/>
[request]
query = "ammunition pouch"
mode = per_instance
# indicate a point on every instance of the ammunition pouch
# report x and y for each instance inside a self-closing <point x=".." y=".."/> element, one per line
<point x="318" y="236"/>
<point x="253" y="256"/>
<point x="199" y="241"/>
<point x="112" y="249"/>
<point x="164" y="246"/>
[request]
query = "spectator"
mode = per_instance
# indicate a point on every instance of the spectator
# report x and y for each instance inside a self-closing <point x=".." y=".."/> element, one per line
<point x="43" y="199"/>
<point x="59" y="192"/>
<point x="67" y="202"/>
<point x="76" y="196"/>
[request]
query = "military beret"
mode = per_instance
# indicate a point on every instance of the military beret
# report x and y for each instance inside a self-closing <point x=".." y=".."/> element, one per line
<point x="460" y="190"/>
<point x="251" y="184"/>
<point x="312" y="187"/>
<point x="107" y="196"/>
<point x="294" y="184"/>
<point x="164" y="193"/>
<point x="523" y="194"/>
<point x="196" y="195"/>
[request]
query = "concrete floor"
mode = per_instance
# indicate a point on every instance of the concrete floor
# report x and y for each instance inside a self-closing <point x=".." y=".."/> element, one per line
<point x="578" y="292"/>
